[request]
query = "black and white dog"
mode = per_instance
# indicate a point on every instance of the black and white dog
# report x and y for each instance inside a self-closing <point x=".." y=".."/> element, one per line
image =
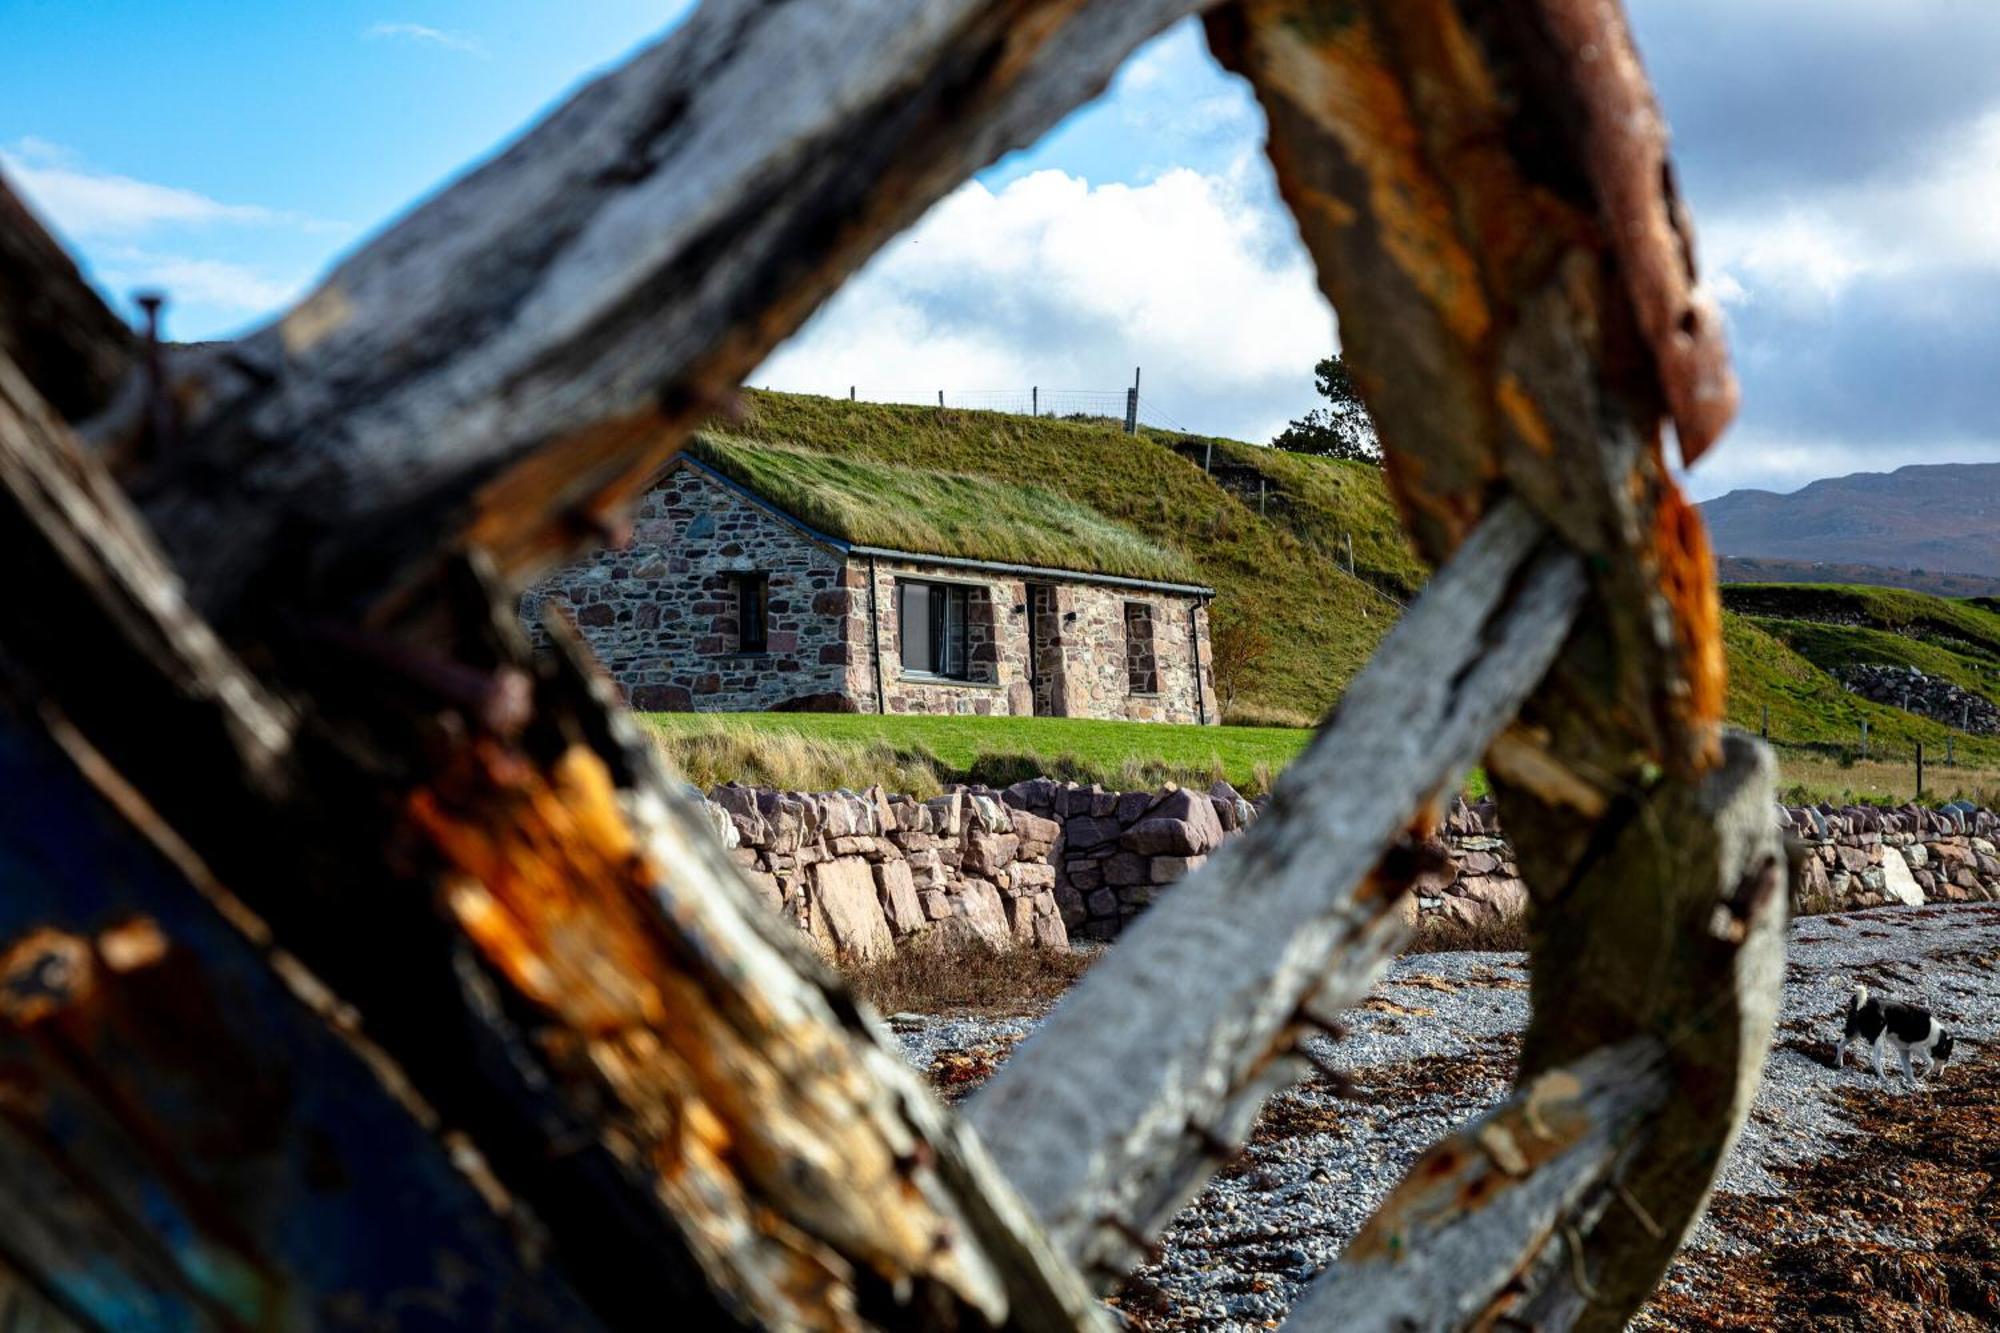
<point x="1910" y="1031"/>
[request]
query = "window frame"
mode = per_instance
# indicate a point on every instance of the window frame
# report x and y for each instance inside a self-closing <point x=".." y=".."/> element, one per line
<point x="747" y="582"/>
<point x="1150" y="678"/>
<point x="942" y="595"/>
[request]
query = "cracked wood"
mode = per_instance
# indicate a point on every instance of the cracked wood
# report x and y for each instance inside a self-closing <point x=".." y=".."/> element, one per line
<point x="1104" y="1118"/>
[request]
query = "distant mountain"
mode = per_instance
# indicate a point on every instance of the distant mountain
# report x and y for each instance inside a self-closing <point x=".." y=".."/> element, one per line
<point x="1930" y="516"/>
<point x="1936" y="582"/>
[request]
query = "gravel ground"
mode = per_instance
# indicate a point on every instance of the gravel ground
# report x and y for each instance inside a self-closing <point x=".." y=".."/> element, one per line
<point x="1437" y="1043"/>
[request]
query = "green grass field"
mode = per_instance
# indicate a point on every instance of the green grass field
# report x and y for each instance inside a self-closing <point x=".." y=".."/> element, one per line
<point x="808" y="751"/>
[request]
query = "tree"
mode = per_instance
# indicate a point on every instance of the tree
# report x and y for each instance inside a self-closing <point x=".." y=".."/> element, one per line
<point x="1343" y="429"/>
<point x="1238" y="647"/>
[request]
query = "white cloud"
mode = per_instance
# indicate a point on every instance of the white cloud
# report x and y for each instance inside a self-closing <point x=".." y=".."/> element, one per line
<point x="1051" y="281"/>
<point x="423" y="36"/>
<point x="84" y="202"/>
<point x="190" y="280"/>
<point x="1809" y="249"/>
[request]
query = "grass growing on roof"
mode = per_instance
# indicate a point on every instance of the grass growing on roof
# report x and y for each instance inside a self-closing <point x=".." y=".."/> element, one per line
<point x="918" y="509"/>
<point x="1321" y="623"/>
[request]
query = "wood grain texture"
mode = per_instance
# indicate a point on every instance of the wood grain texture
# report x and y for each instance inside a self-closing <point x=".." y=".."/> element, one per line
<point x="1483" y="1217"/>
<point x="1674" y="931"/>
<point x="1447" y="163"/>
<point x="65" y="341"/>
<point x="1484" y="191"/>
<point x="1105" y="1119"/>
<point x="515" y="358"/>
<point x="550" y="949"/>
<point x="190" y="1136"/>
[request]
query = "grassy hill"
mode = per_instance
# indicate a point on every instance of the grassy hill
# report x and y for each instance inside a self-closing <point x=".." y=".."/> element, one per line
<point x="1189" y="508"/>
<point x="1320" y="623"/>
<point x="1787" y="641"/>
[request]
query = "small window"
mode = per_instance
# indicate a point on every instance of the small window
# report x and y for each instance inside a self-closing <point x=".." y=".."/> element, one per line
<point x="930" y="620"/>
<point x="1142" y="672"/>
<point x="753" y="612"/>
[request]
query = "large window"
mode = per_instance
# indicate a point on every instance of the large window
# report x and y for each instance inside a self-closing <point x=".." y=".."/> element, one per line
<point x="753" y="612"/>
<point x="930" y="621"/>
<point x="1142" y="667"/>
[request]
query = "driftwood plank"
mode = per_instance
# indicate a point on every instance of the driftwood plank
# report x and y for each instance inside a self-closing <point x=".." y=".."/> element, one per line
<point x="1107" y="1119"/>
<point x="1450" y="167"/>
<point x="1673" y="949"/>
<point x="190" y="1138"/>
<point x="1674" y="931"/>
<point x="547" y="329"/>
<point x="1492" y="1202"/>
<point x="1485" y="194"/>
<point x="52" y="325"/>
<point x="529" y="925"/>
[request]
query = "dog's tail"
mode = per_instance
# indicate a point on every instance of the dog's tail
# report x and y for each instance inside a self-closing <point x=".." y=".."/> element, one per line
<point x="1860" y="997"/>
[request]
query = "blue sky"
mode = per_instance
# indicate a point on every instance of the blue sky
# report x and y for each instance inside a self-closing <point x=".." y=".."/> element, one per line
<point x="1842" y="157"/>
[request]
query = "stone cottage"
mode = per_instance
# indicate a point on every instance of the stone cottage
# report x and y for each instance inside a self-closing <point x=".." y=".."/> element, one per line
<point x="726" y="600"/>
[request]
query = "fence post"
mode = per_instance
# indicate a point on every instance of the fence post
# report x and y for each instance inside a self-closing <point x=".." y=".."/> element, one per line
<point x="850" y="393"/>
<point x="1864" y="738"/>
<point x="1764" y="727"/>
<point x="1035" y="401"/>
<point x="1132" y="405"/>
<point x="1950" y="751"/>
<point x="1260" y="497"/>
<point x="1920" y="770"/>
<point x="940" y="399"/>
<point x="1208" y="458"/>
<point x="1349" y="538"/>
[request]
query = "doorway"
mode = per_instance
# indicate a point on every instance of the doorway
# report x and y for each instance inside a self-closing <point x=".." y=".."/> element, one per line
<point x="1044" y="647"/>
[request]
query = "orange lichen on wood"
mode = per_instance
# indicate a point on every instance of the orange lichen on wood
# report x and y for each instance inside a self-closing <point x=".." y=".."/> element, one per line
<point x="1687" y="580"/>
<point x="1345" y="81"/>
<point x="1467" y="1171"/>
<point x="1625" y="150"/>
<point x="747" y="1127"/>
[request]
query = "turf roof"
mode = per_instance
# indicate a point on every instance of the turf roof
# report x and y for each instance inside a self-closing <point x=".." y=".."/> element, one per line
<point x="901" y="508"/>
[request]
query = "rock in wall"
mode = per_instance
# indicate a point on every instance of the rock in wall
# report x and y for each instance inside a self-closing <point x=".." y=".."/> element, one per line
<point x="1042" y="861"/>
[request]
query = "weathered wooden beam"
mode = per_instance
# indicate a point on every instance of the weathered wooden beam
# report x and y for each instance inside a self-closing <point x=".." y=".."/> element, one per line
<point x="71" y="347"/>
<point x="1562" y="1207"/>
<point x="508" y="896"/>
<point x="1483" y="1217"/>
<point x="193" y="1135"/>
<point x="1484" y="191"/>
<point x="511" y="361"/>
<point x="1107" y="1118"/>
<point x="1675" y="931"/>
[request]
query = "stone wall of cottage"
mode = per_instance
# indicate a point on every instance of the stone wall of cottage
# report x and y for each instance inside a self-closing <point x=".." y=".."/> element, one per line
<point x="1042" y="862"/>
<point x="660" y="613"/>
<point x="1081" y="669"/>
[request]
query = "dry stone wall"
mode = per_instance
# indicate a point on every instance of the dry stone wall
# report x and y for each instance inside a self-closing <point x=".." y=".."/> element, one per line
<point x="1042" y="862"/>
<point x="1862" y="856"/>
<point x="1919" y="692"/>
<point x="861" y="872"/>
